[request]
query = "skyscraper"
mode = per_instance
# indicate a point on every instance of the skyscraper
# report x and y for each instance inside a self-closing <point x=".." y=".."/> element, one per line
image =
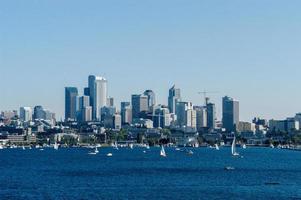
<point x="201" y="117"/>
<point x="211" y="115"/>
<point x="39" y="112"/>
<point x="126" y="113"/>
<point x="25" y="114"/>
<point x="139" y="104"/>
<point x="151" y="98"/>
<point x="83" y="112"/>
<point x="71" y="94"/>
<point x="230" y="114"/>
<point x="98" y="94"/>
<point x="173" y="97"/>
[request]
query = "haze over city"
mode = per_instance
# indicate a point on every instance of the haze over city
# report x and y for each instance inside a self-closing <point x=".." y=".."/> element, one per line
<point x="247" y="50"/>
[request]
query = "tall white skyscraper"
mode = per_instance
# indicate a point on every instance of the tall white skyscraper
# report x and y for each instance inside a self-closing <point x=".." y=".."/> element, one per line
<point x="98" y="95"/>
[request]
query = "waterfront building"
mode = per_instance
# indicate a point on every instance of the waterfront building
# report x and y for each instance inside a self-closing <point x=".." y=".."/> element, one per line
<point x="71" y="96"/>
<point x="230" y="114"/>
<point x="139" y="105"/>
<point x="246" y="127"/>
<point x="173" y="98"/>
<point x="26" y="114"/>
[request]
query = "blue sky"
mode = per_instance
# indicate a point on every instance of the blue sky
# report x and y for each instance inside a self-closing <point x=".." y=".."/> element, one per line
<point x="247" y="49"/>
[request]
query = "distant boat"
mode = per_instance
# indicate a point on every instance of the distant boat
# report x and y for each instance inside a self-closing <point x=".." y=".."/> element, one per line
<point x="94" y="152"/>
<point x="229" y="168"/>
<point x="1" y="146"/>
<point x="216" y="147"/>
<point x="109" y="155"/>
<point x="272" y="146"/>
<point x="162" y="152"/>
<point x="244" y="146"/>
<point x="116" y="146"/>
<point x="233" y="148"/>
<point x="23" y="148"/>
<point x="178" y="149"/>
<point x="56" y="146"/>
<point x="147" y="147"/>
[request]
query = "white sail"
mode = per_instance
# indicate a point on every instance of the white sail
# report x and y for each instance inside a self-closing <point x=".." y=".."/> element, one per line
<point x="163" y="153"/>
<point x="233" y="149"/>
<point x="56" y="146"/>
<point x="216" y="147"/>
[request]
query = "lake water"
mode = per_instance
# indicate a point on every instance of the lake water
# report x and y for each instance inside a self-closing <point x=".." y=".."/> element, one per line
<point x="262" y="173"/>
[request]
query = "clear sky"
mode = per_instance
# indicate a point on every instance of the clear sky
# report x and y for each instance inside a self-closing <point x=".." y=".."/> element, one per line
<point x="249" y="50"/>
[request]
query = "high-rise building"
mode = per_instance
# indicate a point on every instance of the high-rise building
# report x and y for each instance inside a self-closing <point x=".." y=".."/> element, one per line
<point x="230" y="114"/>
<point x="39" y="112"/>
<point x="126" y="113"/>
<point x="161" y="117"/>
<point x="211" y="116"/>
<point x="173" y="97"/>
<point x="98" y="94"/>
<point x="86" y="114"/>
<point x="71" y="95"/>
<point x="25" y="114"/>
<point x="110" y="101"/>
<point x="87" y="91"/>
<point x="151" y="98"/>
<point x="139" y="105"/>
<point x="83" y="113"/>
<point x="201" y="117"/>
<point x="186" y="116"/>
<point x="117" y="121"/>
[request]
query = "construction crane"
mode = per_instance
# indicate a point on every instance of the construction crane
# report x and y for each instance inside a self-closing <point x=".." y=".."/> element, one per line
<point x="205" y="95"/>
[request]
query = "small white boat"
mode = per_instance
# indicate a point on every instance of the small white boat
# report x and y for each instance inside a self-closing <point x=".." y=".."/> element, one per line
<point x="131" y="146"/>
<point x="272" y="146"/>
<point x="144" y="151"/>
<point x="23" y="148"/>
<point x="1" y="146"/>
<point x="96" y="150"/>
<point x="244" y="146"/>
<point x="233" y="148"/>
<point x="162" y="152"/>
<point x="178" y="149"/>
<point x="229" y="168"/>
<point x="216" y="147"/>
<point x="109" y="155"/>
<point x="56" y="146"/>
<point x="147" y="147"/>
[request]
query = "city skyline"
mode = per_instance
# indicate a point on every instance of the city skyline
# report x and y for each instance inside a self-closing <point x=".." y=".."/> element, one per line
<point x="250" y="55"/>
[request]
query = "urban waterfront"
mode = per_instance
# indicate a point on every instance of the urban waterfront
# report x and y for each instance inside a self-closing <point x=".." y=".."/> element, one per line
<point x="141" y="173"/>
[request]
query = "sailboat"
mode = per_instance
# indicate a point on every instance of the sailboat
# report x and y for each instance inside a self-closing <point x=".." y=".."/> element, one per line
<point x="94" y="152"/>
<point x="131" y="146"/>
<point x="56" y="146"/>
<point x="116" y="146"/>
<point x="233" y="149"/>
<point x="216" y="147"/>
<point x="162" y="152"/>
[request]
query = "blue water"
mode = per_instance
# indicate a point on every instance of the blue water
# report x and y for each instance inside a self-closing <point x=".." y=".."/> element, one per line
<point x="262" y="173"/>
